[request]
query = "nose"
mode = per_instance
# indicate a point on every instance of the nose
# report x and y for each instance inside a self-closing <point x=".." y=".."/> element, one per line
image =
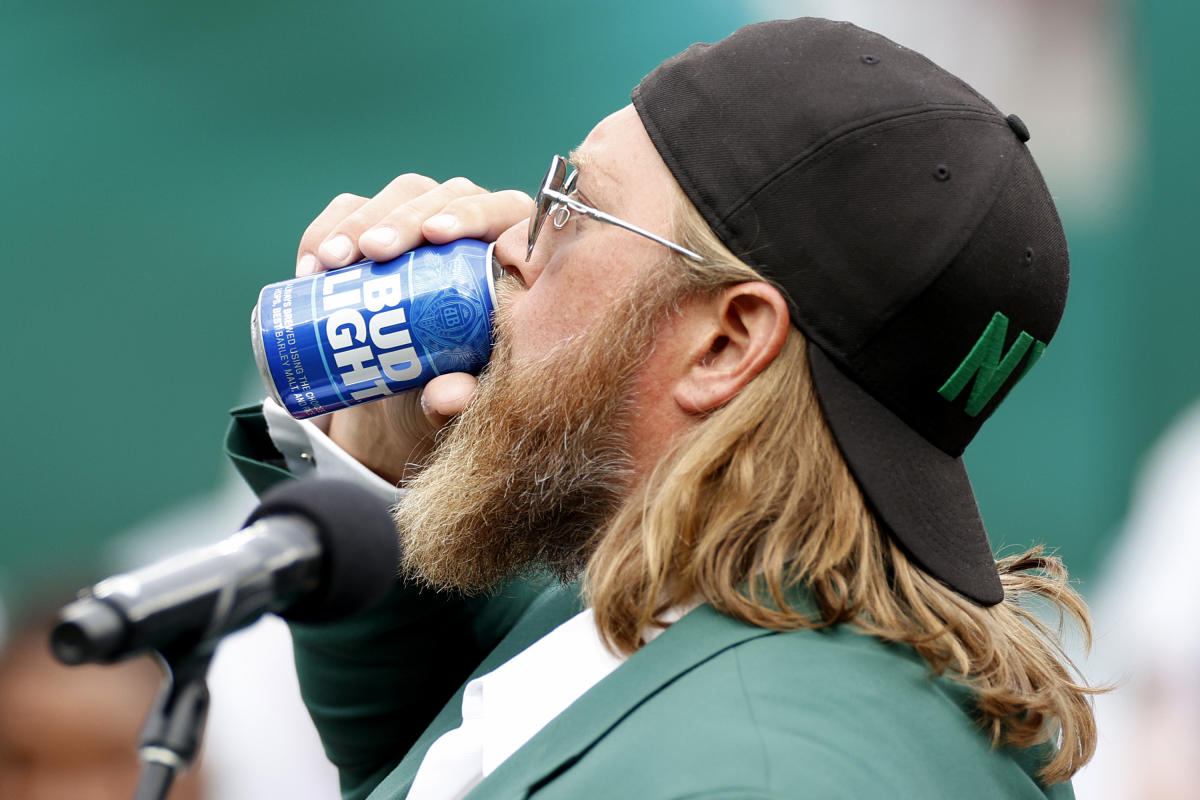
<point x="510" y="252"/>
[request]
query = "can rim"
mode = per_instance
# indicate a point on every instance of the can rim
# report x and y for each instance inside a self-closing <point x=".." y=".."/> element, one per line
<point x="260" y="352"/>
<point x="491" y="271"/>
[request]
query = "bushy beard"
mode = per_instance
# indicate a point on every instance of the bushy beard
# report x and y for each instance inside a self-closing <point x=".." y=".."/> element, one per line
<point x="528" y="474"/>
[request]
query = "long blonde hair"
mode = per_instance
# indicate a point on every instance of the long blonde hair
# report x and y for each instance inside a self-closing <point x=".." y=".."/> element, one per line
<point x="760" y="490"/>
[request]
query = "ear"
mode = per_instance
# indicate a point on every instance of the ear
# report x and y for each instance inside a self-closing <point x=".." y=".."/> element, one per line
<point x="743" y="329"/>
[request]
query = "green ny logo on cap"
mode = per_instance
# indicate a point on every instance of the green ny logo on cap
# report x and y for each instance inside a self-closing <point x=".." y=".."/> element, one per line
<point x="986" y="364"/>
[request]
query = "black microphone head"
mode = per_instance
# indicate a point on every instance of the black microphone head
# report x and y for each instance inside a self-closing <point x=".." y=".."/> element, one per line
<point x="360" y="548"/>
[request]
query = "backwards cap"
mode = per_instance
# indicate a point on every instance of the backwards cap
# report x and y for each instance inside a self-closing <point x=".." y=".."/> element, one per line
<point x="909" y="228"/>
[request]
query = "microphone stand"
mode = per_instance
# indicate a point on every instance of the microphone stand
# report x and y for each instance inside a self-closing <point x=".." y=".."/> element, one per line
<point x="170" y="739"/>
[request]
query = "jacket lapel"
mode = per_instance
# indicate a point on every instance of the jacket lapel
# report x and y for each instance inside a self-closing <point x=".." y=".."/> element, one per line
<point x="555" y="606"/>
<point x="691" y="641"/>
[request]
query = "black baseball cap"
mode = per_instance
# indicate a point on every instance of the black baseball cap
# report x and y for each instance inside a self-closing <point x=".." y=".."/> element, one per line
<point x="906" y="222"/>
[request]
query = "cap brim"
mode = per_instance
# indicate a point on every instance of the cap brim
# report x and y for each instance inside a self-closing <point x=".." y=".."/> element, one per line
<point x="920" y="494"/>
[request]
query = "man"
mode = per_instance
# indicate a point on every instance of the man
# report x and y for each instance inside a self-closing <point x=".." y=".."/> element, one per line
<point x="738" y="356"/>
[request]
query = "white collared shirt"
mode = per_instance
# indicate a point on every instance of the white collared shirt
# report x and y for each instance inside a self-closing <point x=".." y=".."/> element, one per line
<point x="505" y="708"/>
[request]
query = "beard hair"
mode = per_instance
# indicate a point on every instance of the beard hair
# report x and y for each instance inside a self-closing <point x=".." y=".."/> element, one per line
<point x="528" y="474"/>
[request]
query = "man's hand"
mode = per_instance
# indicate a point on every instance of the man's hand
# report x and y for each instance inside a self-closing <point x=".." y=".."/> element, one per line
<point x="386" y="435"/>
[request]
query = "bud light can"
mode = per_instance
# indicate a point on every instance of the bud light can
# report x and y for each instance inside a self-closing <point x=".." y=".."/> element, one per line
<point x="371" y="330"/>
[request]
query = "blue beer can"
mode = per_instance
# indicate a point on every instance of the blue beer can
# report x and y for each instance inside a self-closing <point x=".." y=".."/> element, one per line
<point x="371" y="330"/>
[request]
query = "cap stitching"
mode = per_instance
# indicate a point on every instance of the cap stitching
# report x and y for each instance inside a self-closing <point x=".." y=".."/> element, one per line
<point x="886" y="314"/>
<point x="829" y="149"/>
<point x="906" y="117"/>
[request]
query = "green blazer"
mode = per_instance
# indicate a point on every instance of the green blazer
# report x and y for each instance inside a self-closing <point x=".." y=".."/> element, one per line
<point x="712" y="708"/>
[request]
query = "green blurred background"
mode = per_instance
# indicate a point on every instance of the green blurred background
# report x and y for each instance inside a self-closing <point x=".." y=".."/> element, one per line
<point x="160" y="161"/>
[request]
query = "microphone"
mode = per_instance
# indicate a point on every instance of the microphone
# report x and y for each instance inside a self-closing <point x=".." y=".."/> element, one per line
<point x="314" y="551"/>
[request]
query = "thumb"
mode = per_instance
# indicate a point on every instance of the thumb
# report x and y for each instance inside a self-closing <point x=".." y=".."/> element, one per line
<point x="446" y="396"/>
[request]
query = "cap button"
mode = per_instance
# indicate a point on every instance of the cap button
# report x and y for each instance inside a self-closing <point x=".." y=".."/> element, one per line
<point x="1019" y="127"/>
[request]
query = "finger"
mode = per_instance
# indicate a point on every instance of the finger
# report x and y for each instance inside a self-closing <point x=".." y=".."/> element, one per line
<point x="338" y="209"/>
<point x="483" y="216"/>
<point x="400" y="230"/>
<point x="446" y="396"/>
<point x="339" y="245"/>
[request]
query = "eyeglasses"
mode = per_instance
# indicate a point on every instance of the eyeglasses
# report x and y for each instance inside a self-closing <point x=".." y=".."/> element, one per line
<point x="553" y="201"/>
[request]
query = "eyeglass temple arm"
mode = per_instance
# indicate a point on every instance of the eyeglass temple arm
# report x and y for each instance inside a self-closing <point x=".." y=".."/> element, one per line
<point x="595" y="213"/>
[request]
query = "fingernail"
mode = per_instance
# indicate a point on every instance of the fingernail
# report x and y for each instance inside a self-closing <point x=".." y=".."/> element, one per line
<point x="307" y="265"/>
<point x="446" y="222"/>
<point x="336" y="250"/>
<point x="381" y="236"/>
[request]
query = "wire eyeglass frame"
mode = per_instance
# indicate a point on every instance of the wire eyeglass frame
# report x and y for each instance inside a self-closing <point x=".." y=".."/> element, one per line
<point x="553" y="201"/>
